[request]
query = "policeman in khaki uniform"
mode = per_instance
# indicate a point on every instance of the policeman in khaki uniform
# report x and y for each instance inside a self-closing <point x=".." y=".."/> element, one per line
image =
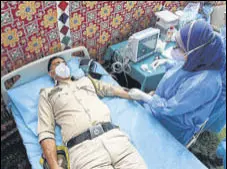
<point x="93" y="141"/>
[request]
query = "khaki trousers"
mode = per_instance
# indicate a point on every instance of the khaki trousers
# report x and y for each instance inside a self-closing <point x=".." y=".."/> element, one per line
<point x="111" y="150"/>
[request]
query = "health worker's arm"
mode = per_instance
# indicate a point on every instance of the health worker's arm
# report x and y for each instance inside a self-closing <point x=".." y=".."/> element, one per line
<point x="192" y="94"/>
<point x="172" y="63"/>
<point x="167" y="63"/>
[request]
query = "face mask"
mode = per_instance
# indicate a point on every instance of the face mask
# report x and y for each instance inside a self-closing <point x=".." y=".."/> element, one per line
<point x="62" y="71"/>
<point x="177" y="54"/>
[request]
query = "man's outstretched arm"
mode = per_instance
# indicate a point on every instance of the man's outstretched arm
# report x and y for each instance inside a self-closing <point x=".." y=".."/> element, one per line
<point x="120" y="92"/>
<point x="104" y="89"/>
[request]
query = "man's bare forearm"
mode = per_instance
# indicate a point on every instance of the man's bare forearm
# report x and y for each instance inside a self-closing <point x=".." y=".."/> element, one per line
<point x="120" y="92"/>
<point x="50" y="152"/>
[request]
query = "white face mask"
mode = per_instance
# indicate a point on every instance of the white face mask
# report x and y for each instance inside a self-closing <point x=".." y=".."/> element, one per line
<point x="62" y="71"/>
<point x="177" y="54"/>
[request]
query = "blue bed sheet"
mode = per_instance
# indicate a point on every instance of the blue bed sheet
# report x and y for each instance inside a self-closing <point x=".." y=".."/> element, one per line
<point x="157" y="146"/>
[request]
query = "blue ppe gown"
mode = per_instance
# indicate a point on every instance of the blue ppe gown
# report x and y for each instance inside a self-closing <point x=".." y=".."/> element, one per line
<point x="217" y="119"/>
<point x="184" y="100"/>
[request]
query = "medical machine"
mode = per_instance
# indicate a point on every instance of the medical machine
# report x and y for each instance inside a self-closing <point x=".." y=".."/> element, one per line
<point x="166" y="20"/>
<point x="143" y="44"/>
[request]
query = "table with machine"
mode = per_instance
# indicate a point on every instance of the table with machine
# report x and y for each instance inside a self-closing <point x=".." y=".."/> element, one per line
<point x="148" y="80"/>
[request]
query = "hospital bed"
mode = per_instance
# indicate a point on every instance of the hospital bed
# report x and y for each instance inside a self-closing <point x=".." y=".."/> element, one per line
<point x="156" y="145"/>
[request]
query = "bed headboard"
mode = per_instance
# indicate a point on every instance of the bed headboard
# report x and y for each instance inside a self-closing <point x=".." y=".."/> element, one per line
<point x="36" y="69"/>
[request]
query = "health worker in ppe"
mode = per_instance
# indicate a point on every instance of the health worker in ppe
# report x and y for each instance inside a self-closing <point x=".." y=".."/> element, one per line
<point x="217" y="120"/>
<point x="188" y="92"/>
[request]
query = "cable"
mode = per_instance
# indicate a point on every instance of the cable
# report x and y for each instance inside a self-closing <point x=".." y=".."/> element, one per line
<point x="121" y="62"/>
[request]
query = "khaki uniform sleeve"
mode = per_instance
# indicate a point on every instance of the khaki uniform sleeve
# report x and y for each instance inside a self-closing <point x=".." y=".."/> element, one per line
<point x="46" y="122"/>
<point x="103" y="89"/>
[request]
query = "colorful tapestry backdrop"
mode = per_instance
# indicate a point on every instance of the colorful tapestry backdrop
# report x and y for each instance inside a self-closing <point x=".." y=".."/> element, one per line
<point x="32" y="29"/>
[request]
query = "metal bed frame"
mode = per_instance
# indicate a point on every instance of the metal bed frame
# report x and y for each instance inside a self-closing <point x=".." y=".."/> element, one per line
<point x="35" y="69"/>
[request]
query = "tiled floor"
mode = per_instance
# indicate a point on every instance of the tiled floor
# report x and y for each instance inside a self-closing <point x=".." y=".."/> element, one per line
<point x="205" y="148"/>
<point x="13" y="154"/>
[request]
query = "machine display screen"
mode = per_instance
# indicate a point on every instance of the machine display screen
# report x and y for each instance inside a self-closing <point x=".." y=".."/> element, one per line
<point x="147" y="46"/>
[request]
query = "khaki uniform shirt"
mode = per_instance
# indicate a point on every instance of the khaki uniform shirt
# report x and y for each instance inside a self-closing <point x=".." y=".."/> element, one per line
<point x="74" y="106"/>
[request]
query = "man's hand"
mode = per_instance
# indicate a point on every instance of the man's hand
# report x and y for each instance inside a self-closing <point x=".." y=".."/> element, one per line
<point x="137" y="94"/>
<point x="59" y="168"/>
<point x="50" y="153"/>
<point x="151" y="93"/>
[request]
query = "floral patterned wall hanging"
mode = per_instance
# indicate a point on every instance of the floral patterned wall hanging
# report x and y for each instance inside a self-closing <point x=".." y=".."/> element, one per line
<point x="33" y="29"/>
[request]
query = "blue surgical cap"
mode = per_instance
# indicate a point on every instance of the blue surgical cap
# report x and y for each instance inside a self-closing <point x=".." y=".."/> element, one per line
<point x="210" y="57"/>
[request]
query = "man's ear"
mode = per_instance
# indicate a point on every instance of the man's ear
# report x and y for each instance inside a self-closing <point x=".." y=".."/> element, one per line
<point x="50" y="73"/>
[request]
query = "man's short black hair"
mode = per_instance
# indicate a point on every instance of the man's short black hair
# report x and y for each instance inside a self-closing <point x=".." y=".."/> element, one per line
<point x="52" y="59"/>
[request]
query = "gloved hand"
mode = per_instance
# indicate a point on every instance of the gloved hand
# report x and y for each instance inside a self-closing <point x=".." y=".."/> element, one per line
<point x="137" y="94"/>
<point x="158" y="63"/>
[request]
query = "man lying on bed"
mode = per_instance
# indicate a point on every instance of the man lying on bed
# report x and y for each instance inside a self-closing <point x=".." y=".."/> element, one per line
<point x="93" y="141"/>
